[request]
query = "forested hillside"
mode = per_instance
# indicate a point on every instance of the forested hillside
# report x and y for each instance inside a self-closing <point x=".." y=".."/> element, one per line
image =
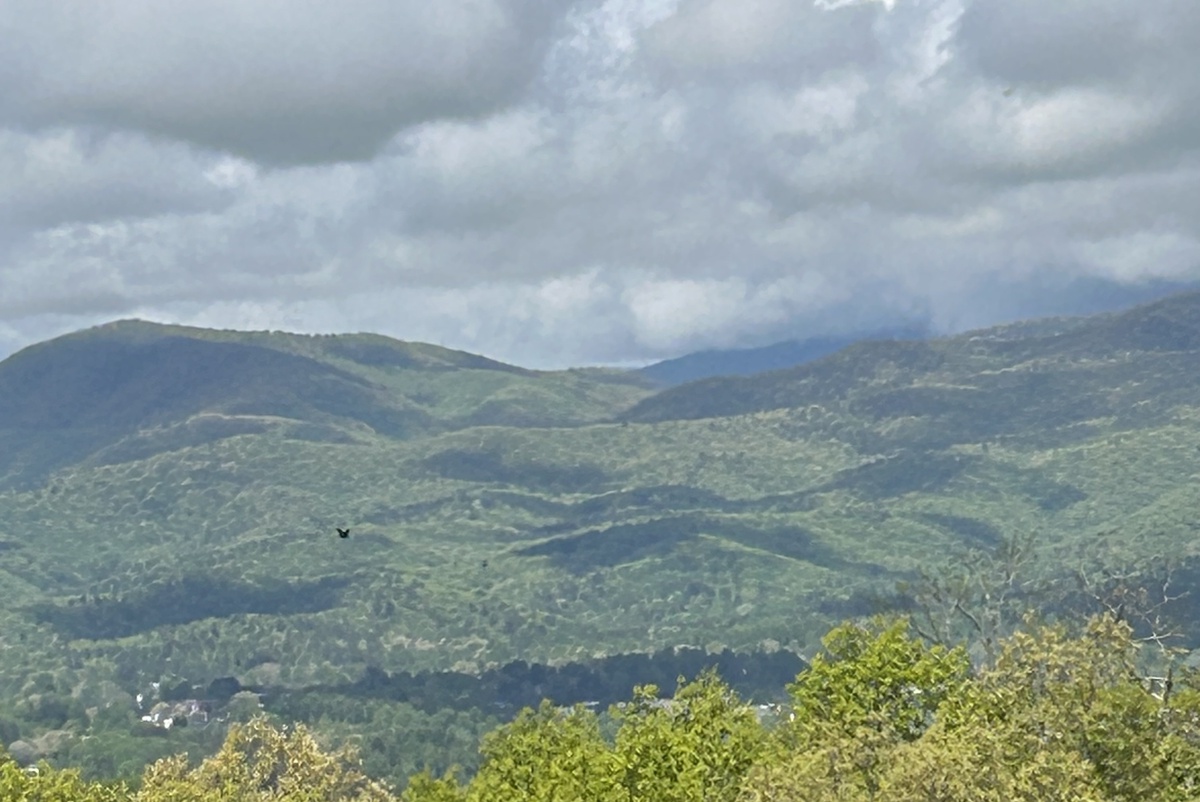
<point x="171" y="497"/>
<point x="880" y="715"/>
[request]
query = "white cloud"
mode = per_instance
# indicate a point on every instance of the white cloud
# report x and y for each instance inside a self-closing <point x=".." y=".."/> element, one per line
<point x="604" y="180"/>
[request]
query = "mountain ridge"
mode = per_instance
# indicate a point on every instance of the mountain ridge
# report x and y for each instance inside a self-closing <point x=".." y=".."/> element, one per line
<point x="89" y="391"/>
<point x="1159" y="327"/>
<point x="796" y="498"/>
<point x="775" y="356"/>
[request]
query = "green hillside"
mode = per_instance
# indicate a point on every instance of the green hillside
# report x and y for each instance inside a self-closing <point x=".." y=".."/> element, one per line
<point x="129" y="390"/>
<point x="171" y="495"/>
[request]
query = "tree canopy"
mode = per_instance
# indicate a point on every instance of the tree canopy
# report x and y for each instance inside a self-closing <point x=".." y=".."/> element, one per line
<point x="881" y="715"/>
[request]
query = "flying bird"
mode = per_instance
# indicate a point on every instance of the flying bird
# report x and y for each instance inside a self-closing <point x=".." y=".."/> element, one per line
<point x="343" y="533"/>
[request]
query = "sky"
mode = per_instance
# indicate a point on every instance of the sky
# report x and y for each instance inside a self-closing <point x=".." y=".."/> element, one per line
<point x="571" y="182"/>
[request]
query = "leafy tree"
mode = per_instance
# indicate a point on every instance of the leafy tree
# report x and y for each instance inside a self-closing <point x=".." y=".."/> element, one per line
<point x="424" y="787"/>
<point x="1141" y="749"/>
<point x="1056" y="718"/>
<point x="1052" y="692"/>
<point x="979" y="763"/>
<point x="545" y="755"/>
<point x="260" y="762"/>
<point x="42" y="783"/>
<point x="876" y="686"/>
<point x="697" y="746"/>
<point x="876" y="676"/>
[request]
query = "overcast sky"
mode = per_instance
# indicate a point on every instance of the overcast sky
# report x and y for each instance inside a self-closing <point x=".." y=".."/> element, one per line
<point x="557" y="182"/>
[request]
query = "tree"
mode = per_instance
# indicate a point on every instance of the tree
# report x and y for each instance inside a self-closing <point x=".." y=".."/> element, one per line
<point x="697" y="746"/>
<point x="876" y="676"/>
<point x="877" y="686"/>
<point x="424" y="787"/>
<point x="1058" y="713"/>
<point x="42" y="783"/>
<point x="979" y="596"/>
<point x="978" y="763"/>
<point x="546" y="755"/>
<point x="260" y="762"/>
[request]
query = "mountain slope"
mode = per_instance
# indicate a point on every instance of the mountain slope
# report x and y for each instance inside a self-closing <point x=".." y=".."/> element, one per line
<point x="133" y="389"/>
<point x="1009" y="382"/>
<point x="731" y="512"/>
<point x="748" y="361"/>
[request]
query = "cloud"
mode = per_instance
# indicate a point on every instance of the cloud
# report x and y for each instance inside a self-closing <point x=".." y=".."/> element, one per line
<point x="78" y="175"/>
<point x="278" y="81"/>
<point x="736" y="40"/>
<point x="1089" y="87"/>
<point x="1079" y="43"/>
<point x="633" y="178"/>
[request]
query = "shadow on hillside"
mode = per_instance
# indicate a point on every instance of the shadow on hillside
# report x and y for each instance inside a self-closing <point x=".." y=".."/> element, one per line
<point x="184" y="600"/>
<point x="484" y="466"/>
<point x="758" y="675"/>
<point x="971" y="530"/>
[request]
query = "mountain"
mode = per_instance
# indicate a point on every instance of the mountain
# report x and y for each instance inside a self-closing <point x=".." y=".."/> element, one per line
<point x="1007" y="381"/>
<point x="132" y="388"/>
<point x="748" y="361"/>
<point x="169" y="514"/>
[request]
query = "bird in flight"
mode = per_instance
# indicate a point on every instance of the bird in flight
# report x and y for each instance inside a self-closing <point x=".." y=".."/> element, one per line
<point x="343" y="533"/>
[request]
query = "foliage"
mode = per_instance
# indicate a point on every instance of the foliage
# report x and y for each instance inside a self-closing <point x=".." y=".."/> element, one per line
<point x="43" y="783"/>
<point x="1056" y="717"/>
<point x="696" y="746"/>
<point x="502" y="515"/>
<point x="879" y="717"/>
<point x="545" y="754"/>
<point x="876" y="677"/>
<point x="260" y="762"/>
<point x="424" y="787"/>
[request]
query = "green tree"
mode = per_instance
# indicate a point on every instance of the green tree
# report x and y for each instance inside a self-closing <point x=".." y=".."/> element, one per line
<point x="697" y="746"/>
<point x="424" y="787"/>
<point x="978" y="763"/>
<point x="260" y="762"/>
<point x="1052" y="692"/>
<point x="42" y="783"/>
<point x="546" y="755"/>
<point x="876" y="676"/>
<point x="1058" y="717"/>
<point x="876" y="686"/>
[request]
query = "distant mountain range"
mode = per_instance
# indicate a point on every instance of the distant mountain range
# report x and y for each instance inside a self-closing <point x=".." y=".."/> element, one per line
<point x="777" y="356"/>
<point x="169" y="495"/>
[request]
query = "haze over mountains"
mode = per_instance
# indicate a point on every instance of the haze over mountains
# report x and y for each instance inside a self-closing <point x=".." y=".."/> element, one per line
<point x="777" y="356"/>
<point x="170" y="495"/>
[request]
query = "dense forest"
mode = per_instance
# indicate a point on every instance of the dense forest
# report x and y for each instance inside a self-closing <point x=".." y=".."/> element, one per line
<point x="407" y="720"/>
<point x="170" y="567"/>
<point x="880" y="714"/>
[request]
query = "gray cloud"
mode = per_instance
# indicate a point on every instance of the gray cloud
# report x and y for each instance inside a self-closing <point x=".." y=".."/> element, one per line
<point x="281" y="82"/>
<point x="646" y="177"/>
<point x="79" y="175"/>
<point x="1080" y="42"/>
